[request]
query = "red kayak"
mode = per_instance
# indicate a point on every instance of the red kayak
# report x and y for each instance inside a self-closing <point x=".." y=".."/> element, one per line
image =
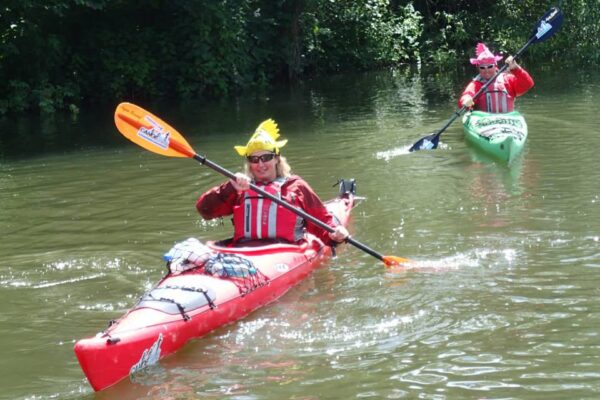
<point x="189" y="305"/>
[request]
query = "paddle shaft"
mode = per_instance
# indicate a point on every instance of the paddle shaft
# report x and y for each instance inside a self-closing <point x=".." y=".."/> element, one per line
<point x="189" y="152"/>
<point x="204" y="161"/>
<point x="152" y="136"/>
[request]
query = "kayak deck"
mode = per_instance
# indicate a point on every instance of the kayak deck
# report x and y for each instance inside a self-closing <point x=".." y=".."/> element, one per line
<point x="502" y="136"/>
<point x="191" y="304"/>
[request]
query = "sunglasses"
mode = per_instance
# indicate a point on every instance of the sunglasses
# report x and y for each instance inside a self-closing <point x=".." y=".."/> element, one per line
<point x="486" y="66"/>
<point x="263" y="157"/>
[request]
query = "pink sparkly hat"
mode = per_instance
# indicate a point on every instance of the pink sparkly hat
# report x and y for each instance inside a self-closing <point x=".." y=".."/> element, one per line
<point x="484" y="55"/>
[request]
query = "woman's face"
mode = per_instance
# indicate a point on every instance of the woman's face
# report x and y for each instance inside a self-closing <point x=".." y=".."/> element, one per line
<point x="486" y="71"/>
<point x="263" y="165"/>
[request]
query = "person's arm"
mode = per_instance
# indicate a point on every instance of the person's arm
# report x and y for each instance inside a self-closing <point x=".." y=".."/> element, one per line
<point x="310" y="202"/>
<point x="521" y="81"/>
<point x="518" y="80"/>
<point x="466" y="98"/>
<point x="218" y="201"/>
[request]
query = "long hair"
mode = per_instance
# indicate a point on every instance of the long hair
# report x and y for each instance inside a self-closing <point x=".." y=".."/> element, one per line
<point x="282" y="168"/>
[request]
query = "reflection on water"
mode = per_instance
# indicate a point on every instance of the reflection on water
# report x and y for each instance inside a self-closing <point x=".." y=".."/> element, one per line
<point x="501" y="301"/>
<point x="54" y="133"/>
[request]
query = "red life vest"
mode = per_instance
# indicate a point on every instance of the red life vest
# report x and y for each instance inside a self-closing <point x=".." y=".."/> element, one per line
<point x="495" y="98"/>
<point x="256" y="217"/>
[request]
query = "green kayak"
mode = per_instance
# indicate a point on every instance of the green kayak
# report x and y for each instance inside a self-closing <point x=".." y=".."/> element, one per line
<point x="499" y="135"/>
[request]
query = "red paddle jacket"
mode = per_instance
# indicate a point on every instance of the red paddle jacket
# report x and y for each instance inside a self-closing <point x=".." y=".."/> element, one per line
<point x="499" y="96"/>
<point x="221" y="200"/>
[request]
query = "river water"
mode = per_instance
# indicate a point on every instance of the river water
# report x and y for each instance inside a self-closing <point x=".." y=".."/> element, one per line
<point x="503" y="303"/>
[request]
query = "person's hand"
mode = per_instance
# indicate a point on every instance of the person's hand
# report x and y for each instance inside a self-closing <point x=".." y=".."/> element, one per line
<point x="512" y="64"/>
<point x="339" y="234"/>
<point x="241" y="183"/>
<point x="467" y="101"/>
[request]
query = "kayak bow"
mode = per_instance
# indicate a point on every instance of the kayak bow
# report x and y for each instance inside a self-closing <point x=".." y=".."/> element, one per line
<point x="191" y="304"/>
<point x="502" y="136"/>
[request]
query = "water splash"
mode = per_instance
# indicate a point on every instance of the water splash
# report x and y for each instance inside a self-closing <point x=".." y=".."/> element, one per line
<point x="387" y="155"/>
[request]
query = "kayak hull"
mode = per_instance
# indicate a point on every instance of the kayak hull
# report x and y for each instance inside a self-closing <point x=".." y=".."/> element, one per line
<point x="501" y="136"/>
<point x="148" y="333"/>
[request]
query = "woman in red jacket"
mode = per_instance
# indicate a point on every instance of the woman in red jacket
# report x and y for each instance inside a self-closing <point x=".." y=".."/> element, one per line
<point x="256" y="217"/>
<point x="499" y="96"/>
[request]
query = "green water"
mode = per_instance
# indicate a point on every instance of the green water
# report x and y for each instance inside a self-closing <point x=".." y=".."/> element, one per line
<point x="504" y="303"/>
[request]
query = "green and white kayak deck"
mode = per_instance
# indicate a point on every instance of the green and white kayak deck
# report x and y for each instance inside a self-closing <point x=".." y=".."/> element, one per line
<point x="499" y="135"/>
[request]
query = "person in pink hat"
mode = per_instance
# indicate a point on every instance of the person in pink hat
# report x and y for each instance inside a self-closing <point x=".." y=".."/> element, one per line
<point x="500" y="95"/>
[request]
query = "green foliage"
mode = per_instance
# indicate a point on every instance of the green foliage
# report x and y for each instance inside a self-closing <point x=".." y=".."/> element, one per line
<point x="449" y="33"/>
<point x="506" y="25"/>
<point x="360" y="34"/>
<point x="579" y="42"/>
<point x="62" y="54"/>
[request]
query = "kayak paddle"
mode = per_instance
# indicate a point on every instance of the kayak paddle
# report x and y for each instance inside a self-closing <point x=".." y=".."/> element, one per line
<point x="544" y="29"/>
<point x="155" y="135"/>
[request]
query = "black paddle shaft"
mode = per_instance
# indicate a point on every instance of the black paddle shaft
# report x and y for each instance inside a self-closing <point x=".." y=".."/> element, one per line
<point x="203" y="160"/>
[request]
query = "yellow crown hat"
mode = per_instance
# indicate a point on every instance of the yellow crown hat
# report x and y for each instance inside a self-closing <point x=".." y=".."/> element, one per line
<point x="263" y="139"/>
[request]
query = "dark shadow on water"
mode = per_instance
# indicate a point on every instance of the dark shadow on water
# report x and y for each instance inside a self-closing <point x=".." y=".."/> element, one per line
<point x="33" y="135"/>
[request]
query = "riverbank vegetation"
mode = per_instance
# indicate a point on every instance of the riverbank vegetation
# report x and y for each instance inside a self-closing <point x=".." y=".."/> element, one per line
<point x="65" y="54"/>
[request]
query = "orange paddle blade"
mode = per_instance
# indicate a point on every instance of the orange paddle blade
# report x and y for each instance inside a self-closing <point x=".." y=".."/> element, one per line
<point x="393" y="261"/>
<point x="150" y="132"/>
